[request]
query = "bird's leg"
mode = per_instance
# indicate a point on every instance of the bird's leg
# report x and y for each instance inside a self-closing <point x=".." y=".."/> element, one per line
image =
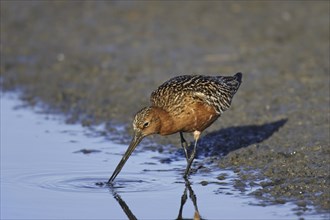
<point x="192" y="155"/>
<point x="184" y="145"/>
<point x="189" y="161"/>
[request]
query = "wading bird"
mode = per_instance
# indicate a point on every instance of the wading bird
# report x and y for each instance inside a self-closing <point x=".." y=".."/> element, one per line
<point x="187" y="103"/>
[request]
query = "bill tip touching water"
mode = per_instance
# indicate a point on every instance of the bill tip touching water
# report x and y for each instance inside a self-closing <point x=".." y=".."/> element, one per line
<point x="186" y="103"/>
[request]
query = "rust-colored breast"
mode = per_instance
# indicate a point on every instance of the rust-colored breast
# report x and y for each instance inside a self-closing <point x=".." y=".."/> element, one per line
<point x="196" y="117"/>
<point x="192" y="115"/>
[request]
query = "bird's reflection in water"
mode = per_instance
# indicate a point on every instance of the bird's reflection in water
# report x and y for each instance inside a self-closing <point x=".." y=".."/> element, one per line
<point x="122" y="204"/>
<point x="184" y="197"/>
<point x="193" y="198"/>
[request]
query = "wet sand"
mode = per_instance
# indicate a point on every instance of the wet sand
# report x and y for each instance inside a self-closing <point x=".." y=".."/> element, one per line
<point x="98" y="62"/>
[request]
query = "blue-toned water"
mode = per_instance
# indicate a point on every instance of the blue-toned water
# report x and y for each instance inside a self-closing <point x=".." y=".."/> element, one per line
<point x="46" y="175"/>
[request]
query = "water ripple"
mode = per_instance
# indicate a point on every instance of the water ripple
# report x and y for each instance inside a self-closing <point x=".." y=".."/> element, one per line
<point x="87" y="182"/>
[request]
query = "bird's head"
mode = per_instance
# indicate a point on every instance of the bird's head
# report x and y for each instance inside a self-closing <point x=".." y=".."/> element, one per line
<point x="146" y="122"/>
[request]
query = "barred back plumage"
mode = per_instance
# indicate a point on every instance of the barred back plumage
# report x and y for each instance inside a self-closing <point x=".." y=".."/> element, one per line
<point x="216" y="91"/>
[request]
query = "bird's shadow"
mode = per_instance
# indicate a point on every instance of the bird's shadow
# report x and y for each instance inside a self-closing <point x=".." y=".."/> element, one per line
<point x="223" y="141"/>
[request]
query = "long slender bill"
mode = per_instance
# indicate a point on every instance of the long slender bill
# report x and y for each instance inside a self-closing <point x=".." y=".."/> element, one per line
<point x="135" y="141"/>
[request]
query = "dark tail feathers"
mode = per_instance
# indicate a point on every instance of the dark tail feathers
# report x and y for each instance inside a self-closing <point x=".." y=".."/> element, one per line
<point x="235" y="82"/>
<point x="238" y="77"/>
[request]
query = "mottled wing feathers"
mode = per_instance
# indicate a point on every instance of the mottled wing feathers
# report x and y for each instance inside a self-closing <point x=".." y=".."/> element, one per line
<point x="216" y="91"/>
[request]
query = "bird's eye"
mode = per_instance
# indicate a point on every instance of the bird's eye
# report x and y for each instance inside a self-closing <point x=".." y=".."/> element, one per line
<point x="146" y="124"/>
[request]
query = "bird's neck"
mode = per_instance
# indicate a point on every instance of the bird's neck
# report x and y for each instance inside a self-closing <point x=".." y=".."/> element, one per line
<point x="166" y="121"/>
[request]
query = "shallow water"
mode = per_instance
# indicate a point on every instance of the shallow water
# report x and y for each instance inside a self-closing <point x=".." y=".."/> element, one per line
<point x="47" y="171"/>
